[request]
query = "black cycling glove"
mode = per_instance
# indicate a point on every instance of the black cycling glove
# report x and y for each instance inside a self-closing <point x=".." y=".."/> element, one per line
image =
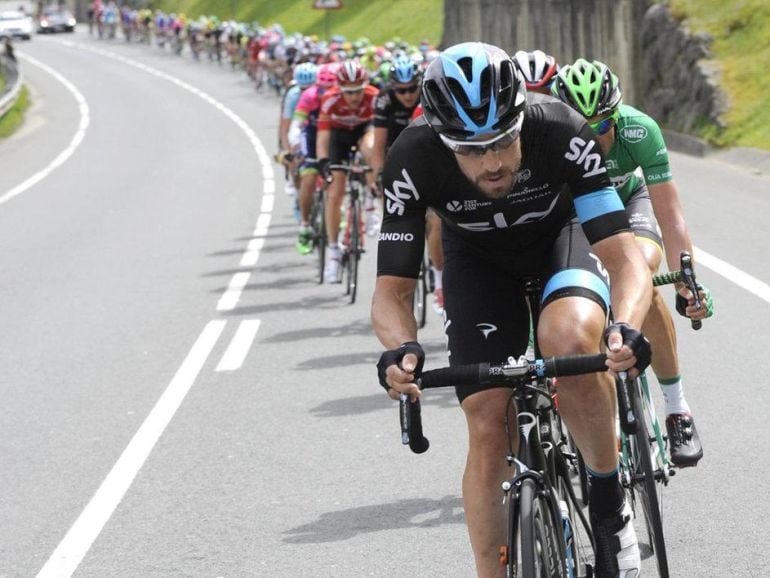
<point x="636" y="342"/>
<point x="707" y="302"/>
<point x="395" y="356"/>
<point x="323" y="168"/>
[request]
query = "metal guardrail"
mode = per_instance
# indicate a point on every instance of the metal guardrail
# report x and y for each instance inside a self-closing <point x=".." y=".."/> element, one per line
<point x="12" y="84"/>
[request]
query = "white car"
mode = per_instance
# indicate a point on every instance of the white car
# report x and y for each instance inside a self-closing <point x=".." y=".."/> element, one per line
<point x="15" y="24"/>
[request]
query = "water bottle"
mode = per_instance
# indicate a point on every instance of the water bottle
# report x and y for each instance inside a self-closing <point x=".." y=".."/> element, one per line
<point x="569" y="541"/>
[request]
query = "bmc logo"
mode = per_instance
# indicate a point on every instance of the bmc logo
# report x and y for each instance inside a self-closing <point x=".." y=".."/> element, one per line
<point x="406" y="237"/>
<point x="580" y="152"/>
<point x="633" y="133"/>
<point x="402" y="191"/>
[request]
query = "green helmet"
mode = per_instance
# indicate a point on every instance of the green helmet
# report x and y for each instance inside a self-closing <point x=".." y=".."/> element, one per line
<point x="589" y="87"/>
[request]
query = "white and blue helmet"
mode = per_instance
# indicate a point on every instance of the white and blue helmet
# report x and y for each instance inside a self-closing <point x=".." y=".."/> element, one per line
<point x="404" y="70"/>
<point x="471" y="90"/>
<point x="305" y="73"/>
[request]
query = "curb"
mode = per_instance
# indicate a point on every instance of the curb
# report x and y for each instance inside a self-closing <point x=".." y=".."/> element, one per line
<point x="757" y="160"/>
<point x="12" y="75"/>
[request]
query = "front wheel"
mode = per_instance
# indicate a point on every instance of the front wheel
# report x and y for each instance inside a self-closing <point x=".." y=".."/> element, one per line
<point x="645" y="484"/>
<point x="318" y="223"/>
<point x="354" y="252"/>
<point x="538" y="549"/>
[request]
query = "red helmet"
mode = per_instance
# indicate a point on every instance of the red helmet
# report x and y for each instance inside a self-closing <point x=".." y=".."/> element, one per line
<point x="351" y="76"/>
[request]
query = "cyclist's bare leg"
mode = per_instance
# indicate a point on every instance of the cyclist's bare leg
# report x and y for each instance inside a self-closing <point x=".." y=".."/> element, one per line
<point x="306" y="188"/>
<point x="658" y="327"/>
<point x="333" y="206"/>
<point x="485" y="470"/>
<point x="573" y="325"/>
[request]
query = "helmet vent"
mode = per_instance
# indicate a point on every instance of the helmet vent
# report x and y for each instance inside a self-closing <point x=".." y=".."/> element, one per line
<point x="466" y="65"/>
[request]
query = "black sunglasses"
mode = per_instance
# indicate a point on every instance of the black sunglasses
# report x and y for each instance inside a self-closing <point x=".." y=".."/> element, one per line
<point x="409" y="90"/>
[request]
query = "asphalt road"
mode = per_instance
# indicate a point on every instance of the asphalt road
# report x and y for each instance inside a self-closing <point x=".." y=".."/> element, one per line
<point x="181" y="399"/>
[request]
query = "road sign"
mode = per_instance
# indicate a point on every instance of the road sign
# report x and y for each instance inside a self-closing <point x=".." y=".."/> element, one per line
<point x="327" y="4"/>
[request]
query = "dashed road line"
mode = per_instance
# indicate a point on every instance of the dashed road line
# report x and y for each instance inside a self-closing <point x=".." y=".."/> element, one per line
<point x="239" y="347"/>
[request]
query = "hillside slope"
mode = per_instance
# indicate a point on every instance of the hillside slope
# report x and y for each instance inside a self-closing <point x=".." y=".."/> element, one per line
<point x="741" y="31"/>
<point x="411" y="20"/>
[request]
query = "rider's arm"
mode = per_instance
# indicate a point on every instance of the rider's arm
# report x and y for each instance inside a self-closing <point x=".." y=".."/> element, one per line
<point x="322" y="139"/>
<point x="294" y="134"/>
<point x="392" y="315"/>
<point x="378" y="150"/>
<point x="631" y="287"/>
<point x="670" y="217"/>
<point x="283" y="133"/>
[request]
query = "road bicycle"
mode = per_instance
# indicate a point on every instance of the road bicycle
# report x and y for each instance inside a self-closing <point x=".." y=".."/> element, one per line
<point x="352" y="242"/>
<point x="318" y="237"/>
<point x="548" y="533"/>
<point x="547" y="460"/>
<point x="644" y="465"/>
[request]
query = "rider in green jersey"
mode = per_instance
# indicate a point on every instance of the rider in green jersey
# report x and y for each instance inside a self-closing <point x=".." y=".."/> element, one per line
<point x="638" y="165"/>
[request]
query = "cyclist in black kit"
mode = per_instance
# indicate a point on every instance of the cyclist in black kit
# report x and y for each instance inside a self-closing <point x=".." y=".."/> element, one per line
<point x="394" y="109"/>
<point x="521" y="189"/>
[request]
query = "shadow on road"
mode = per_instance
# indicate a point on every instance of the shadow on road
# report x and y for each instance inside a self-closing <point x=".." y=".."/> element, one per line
<point x="349" y="358"/>
<point x="347" y="406"/>
<point x="309" y="303"/>
<point x="346" y="524"/>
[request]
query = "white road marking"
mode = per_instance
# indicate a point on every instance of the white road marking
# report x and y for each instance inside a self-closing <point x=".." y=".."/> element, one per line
<point x="733" y="274"/>
<point x="239" y="347"/>
<point x="70" y="552"/>
<point x="268" y="186"/>
<point x="61" y="158"/>
<point x="232" y="294"/>
<point x="251" y="256"/>
<point x="268" y="202"/>
<point x="263" y="223"/>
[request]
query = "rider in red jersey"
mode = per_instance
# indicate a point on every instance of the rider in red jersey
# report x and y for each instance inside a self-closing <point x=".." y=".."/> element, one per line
<point x="345" y="120"/>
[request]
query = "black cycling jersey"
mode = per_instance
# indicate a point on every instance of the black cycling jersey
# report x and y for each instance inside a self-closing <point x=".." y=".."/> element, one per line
<point x="562" y="173"/>
<point x="391" y="114"/>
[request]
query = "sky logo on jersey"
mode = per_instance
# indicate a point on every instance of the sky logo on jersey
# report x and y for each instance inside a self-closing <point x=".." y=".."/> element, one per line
<point x="402" y="191"/>
<point x="403" y="237"/>
<point x="580" y="153"/>
<point x="454" y="206"/>
<point x="633" y="133"/>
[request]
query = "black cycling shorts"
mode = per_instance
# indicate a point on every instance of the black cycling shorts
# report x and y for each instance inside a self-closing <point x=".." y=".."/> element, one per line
<point x="342" y="140"/>
<point x="641" y="217"/>
<point x="486" y="313"/>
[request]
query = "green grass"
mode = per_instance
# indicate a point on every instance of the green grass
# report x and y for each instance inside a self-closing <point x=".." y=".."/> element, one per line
<point x="12" y="119"/>
<point x="741" y="31"/>
<point x="380" y="20"/>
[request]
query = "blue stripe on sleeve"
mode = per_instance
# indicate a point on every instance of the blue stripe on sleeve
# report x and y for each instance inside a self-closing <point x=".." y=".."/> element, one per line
<point x="578" y="278"/>
<point x="598" y="203"/>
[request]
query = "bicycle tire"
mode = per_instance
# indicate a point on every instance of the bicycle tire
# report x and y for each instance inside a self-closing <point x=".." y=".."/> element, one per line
<point x="646" y="486"/>
<point x="354" y="254"/>
<point x="318" y="223"/>
<point x="420" y="298"/>
<point x="579" y="552"/>
<point x="541" y="552"/>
